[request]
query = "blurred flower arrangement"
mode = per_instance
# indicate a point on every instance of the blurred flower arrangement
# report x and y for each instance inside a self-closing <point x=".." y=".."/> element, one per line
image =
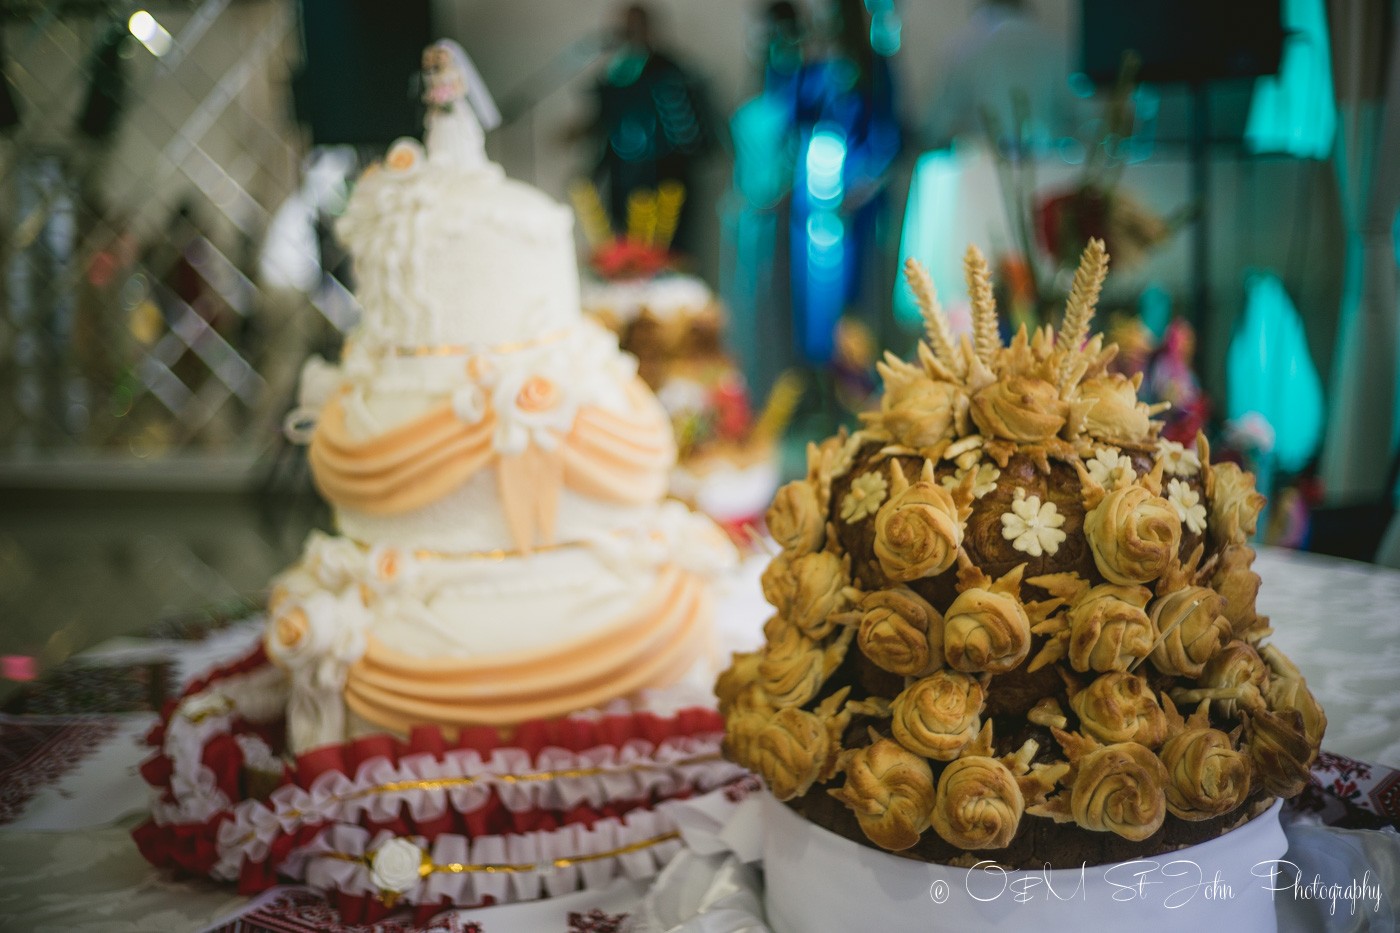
<point x="1049" y="229"/>
<point x="644" y="249"/>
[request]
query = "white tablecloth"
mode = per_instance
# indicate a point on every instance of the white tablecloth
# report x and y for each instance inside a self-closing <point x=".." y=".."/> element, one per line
<point x="1339" y="621"/>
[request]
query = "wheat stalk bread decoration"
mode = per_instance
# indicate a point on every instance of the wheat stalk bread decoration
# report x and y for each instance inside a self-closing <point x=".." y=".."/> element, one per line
<point x="1083" y="297"/>
<point x="986" y="335"/>
<point x="940" y="338"/>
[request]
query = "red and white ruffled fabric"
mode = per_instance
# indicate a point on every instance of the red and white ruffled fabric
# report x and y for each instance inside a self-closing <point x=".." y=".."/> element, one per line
<point x="569" y="803"/>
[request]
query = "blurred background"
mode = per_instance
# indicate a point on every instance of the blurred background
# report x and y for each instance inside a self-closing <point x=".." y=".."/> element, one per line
<point x="170" y="175"/>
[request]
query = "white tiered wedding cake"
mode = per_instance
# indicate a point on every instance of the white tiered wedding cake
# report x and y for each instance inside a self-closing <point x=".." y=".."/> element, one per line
<point x="497" y="471"/>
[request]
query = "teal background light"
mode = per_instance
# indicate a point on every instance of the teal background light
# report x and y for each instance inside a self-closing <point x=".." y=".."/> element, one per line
<point x="1294" y="112"/>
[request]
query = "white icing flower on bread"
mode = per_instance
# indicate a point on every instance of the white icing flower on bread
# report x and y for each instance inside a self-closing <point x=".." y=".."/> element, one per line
<point x="1180" y="460"/>
<point x="1033" y="527"/>
<point x="1187" y="503"/>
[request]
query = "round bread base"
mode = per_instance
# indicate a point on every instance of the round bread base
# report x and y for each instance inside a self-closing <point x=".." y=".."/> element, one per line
<point x="817" y="881"/>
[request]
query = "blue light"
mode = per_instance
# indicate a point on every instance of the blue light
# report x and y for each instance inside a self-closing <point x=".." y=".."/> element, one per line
<point x="826" y="165"/>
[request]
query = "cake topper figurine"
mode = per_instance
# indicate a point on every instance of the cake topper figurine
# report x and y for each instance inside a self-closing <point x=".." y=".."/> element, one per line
<point x="460" y="108"/>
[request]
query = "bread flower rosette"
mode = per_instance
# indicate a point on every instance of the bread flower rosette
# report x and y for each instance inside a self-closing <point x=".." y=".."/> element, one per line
<point x="1193" y="628"/>
<point x="1116" y="415"/>
<point x="937" y="716"/>
<point x="1279" y="750"/>
<point x="986" y="630"/>
<point x="1238" y="584"/>
<point x="1109" y="629"/>
<point x="890" y="791"/>
<point x="1234" y="677"/>
<point x="1134" y="535"/>
<point x="979" y="804"/>
<point x="1208" y="775"/>
<point x="795" y="519"/>
<point x="794" y="667"/>
<point x="919" y="529"/>
<point x="1120" y="707"/>
<point x="1020" y="408"/>
<point x="901" y="632"/>
<point x="1234" y="503"/>
<point x="819" y="592"/>
<point x="1120" y="788"/>
<point x="918" y="411"/>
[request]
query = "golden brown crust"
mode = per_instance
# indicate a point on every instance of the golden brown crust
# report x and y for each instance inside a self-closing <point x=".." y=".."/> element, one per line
<point x="1208" y="775"/>
<point x="1134" y="535"/>
<point x="919" y="529"/>
<point x="979" y="804"/>
<point x="937" y="716"/>
<point x="1120" y="707"/>
<point x="890" y="791"/>
<point x="795" y="519"/>
<point x="901" y="632"/>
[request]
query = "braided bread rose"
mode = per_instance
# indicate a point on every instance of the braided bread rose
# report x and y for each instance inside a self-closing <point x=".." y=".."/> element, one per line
<point x="890" y="791"/>
<point x="1117" y="414"/>
<point x="979" y="804"/>
<point x="918" y="530"/>
<point x="1208" y="775"/>
<point x="1019" y="408"/>
<point x="1109" y="629"/>
<point x="1133" y="534"/>
<point x="937" y="716"/>
<point x="1234" y="503"/>
<point x="789" y="752"/>
<point x="795" y="520"/>
<point x="1120" y="707"/>
<point x="1279" y="750"/>
<point x="742" y="671"/>
<point x="1192" y="629"/>
<point x="792" y="668"/>
<point x="986" y="631"/>
<point x="901" y="632"/>
<point x="1292" y="693"/>
<point x="1239" y="585"/>
<point x="918" y="412"/>
<point x="1120" y="789"/>
<point x="778" y="583"/>
<point x="819" y="582"/>
<point x="1236" y="670"/>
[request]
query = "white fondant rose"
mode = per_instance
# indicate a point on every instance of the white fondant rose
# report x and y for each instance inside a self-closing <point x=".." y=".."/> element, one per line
<point x="531" y="408"/>
<point x="334" y="561"/>
<point x="469" y="403"/>
<point x="317" y="637"/>
<point x="390" y="570"/>
<point x="319" y="381"/>
<point x="397" y="865"/>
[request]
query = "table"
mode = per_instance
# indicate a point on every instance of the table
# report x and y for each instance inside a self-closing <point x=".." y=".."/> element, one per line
<point x="1339" y="621"/>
